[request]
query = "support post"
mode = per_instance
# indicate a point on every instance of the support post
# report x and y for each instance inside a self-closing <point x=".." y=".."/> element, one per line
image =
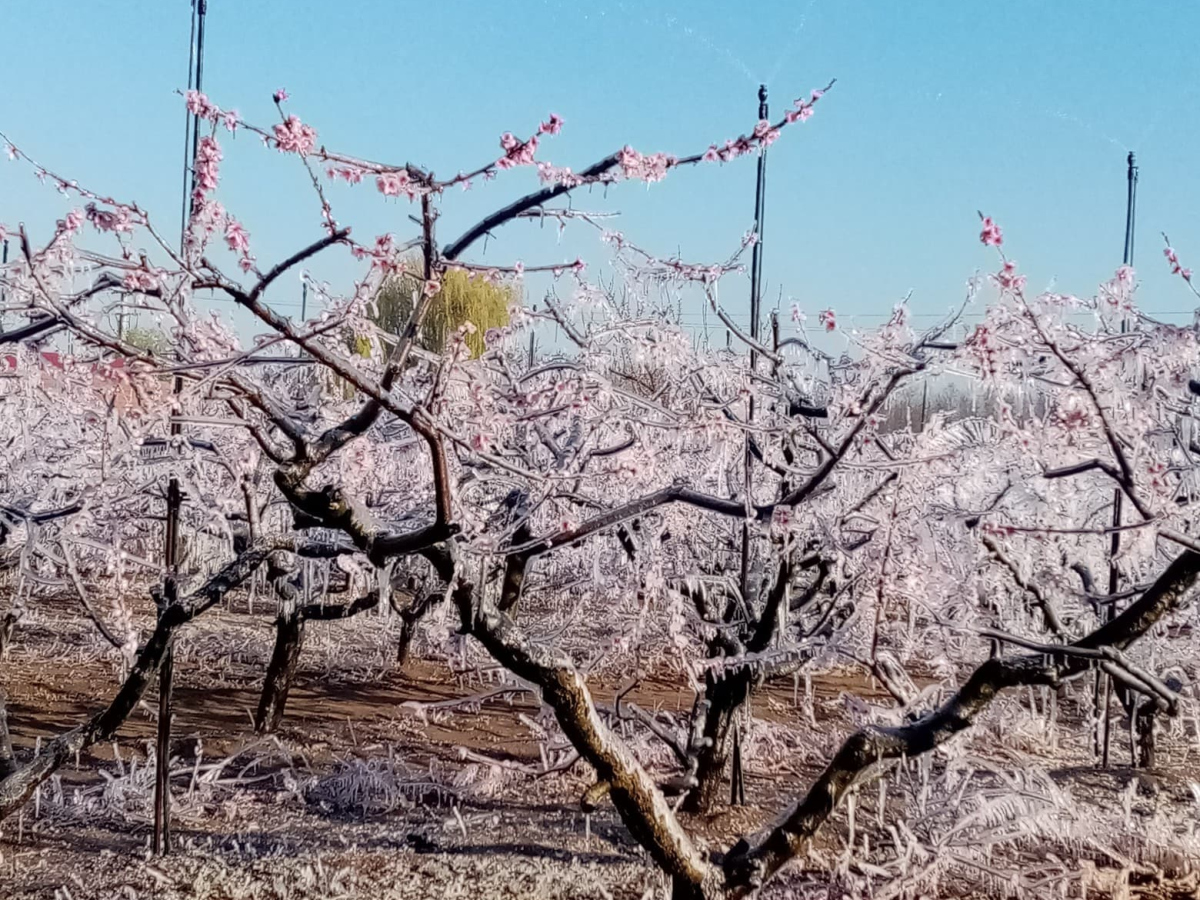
<point x="166" y="672"/>
<point x="1104" y="683"/>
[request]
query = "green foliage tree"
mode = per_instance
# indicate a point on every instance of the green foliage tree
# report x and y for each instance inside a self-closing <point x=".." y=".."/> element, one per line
<point x="485" y="304"/>
<point x="149" y="339"/>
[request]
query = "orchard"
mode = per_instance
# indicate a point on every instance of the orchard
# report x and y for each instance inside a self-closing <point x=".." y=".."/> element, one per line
<point x="302" y="612"/>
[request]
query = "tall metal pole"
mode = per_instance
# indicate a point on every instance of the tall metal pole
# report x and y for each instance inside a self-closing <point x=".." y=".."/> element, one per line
<point x="3" y="295"/>
<point x="162" y="777"/>
<point x="303" y="309"/>
<point x="1114" y="575"/>
<point x="1131" y="178"/>
<point x="737" y="791"/>
<point x="760" y="198"/>
<point x="755" y="274"/>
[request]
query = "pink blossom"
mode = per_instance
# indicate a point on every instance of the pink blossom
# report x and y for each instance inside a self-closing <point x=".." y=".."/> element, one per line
<point x="72" y="221"/>
<point x="645" y="168"/>
<point x="199" y="105"/>
<point x="432" y="287"/>
<point x="765" y="134"/>
<point x="236" y="236"/>
<point x="1177" y="267"/>
<point x="990" y="235"/>
<point x="208" y="156"/>
<point x="516" y="153"/>
<point x="828" y="318"/>
<point x="519" y="268"/>
<point x="280" y="95"/>
<point x="1007" y="277"/>
<point x="350" y="174"/>
<point x="246" y="263"/>
<point x="107" y="220"/>
<point x="11" y="151"/>
<point x="139" y="280"/>
<point x="1125" y="275"/>
<point x="553" y="126"/>
<point x="393" y="184"/>
<point x="231" y="120"/>
<point x="797" y="314"/>
<point x="293" y="136"/>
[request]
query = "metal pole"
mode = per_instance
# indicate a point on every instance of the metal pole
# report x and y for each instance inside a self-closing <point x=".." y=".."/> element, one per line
<point x="1131" y="177"/>
<point x="759" y="213"/>
<point x="1114" y="575"/>
<point x="3" y="294"/>
<point x="162" y="785"/>
<point x="737" y="790"/>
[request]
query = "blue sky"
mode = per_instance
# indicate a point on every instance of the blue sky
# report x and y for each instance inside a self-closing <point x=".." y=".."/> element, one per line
<point x="1024" y="110"/>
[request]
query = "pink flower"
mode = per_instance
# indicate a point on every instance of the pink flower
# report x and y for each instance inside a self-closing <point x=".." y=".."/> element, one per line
<point x="199" y="105"/>
<point x="280" y="95"/>
<point x="990" y="235"/>
<point x="246" y="263"/>
<point x="393" y="184"/>
<point x="236" y="236"/>
<point x="205" y="171"/>
<point x="519" y="268"/>
<point x="645" y="168"/>
<point x="1008" y="279"/>
<point x="139" y="280"/>
<point x="11" y="151"/>
<point x="293" y="136"/>
<point x="73" y="220"/>
<point x="432" y="286"/>
<point x="351" y="174"/>
<point x="231" y="120"/>
<point x="107" y="220"/>
<point x="553" y="126"/>
<point x="515" y="152"/>
<point x="828" y="318"/>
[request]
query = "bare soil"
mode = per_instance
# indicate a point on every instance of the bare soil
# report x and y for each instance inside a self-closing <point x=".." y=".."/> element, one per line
<point x="271" y="825"/>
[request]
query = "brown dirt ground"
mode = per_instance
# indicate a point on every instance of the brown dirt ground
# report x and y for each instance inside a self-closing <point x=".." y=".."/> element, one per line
<point x="260" y="840"/>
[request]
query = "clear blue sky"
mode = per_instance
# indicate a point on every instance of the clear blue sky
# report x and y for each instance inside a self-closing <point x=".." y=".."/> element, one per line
<point x="1022" y="109"/>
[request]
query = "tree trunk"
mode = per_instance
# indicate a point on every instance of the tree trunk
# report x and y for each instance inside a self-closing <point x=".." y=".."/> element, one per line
<point x="289" y="638"/>
<point x="725" y="696"/>
<point x="8" y="762"/>
<point x="410" y="618"/>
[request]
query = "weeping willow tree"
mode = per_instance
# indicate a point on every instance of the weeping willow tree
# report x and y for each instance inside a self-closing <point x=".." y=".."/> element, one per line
<point x="484" y="304"/>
